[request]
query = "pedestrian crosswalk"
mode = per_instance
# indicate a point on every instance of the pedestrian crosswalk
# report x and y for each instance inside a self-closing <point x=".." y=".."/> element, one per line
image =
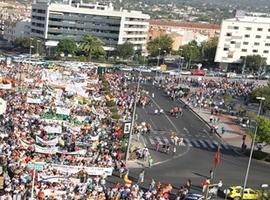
<point x="197" y="143"/>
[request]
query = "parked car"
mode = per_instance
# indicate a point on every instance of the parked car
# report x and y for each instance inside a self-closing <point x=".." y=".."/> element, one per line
<point x="126" y="69"/>
<point x="198" y="72"/>
<point x="155" y="68"/>
<point x="186" y="72"/>
<point x="192" y="196"/>
<point x="143" y="69"/>
<point x="249" y="194"/>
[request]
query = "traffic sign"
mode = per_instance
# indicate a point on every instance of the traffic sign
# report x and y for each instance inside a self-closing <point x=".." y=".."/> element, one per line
<point x="163" y="68"/>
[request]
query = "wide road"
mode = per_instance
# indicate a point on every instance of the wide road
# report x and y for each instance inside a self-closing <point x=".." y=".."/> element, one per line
<point x="195" y="159"/>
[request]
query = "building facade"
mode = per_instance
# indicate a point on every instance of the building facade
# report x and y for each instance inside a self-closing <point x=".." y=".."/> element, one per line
<point x="182" y="32"/>
<point x="242" y="36"/>
<point x="53" y="22"/>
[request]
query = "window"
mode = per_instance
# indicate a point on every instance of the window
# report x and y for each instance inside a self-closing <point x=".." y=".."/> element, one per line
<point x="245" y="43"/>
<point x="225" y="49"/>
<point x="255" y="51"/>
<point x="235" y="27"/>
<point x="247" y="36"/>
<point x="257" y="36"/>
<point x="229" y="34"/>
<point x="248" y="28"/>
<point x="269" y="30"/>
<point x="232" y="42"/>
<point x="265" y="51"/>
<point x="267" y="37"/>
<point x="244" y="50"/>
<point x="259" y="29"/>
<point x="256" y="43"/>
<point x="267" y="44"/>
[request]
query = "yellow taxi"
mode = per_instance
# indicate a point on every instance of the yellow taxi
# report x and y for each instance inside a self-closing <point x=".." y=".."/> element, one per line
<point x="249" y="194"/>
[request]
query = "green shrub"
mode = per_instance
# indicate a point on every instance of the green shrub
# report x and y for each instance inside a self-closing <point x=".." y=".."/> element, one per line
<point x="110" y="103"/>
<point x="113" y="110"/>
<point x="116" y="116"/>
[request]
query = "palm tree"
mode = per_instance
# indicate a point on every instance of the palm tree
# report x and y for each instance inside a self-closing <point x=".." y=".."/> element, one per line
<point x="91" y="45"/>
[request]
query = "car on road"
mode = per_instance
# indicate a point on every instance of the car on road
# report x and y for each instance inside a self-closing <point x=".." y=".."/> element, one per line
<point x="155" y="68"/>
<point x="198" y="72"/>
<point x="249" y="194"/>
<point x="126" y="69"/>
<point x="193" y="196"/>
<point x="185" y="72"/>
<point x="144" y="69"/>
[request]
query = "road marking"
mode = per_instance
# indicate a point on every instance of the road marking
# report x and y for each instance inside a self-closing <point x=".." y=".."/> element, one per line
<point x="205" y="131"/>
<point x="165" y="115"/>
<point x="195" y="143"/>
<point x="202" y="144"/>
<point x="153" y="124"/>
<point x="158" y="140"/>
<point x="151" y="140"/>
<point x="216" y="144"/>
<point x="186" y="130"/>
<point x="209" y="143"/>
<point x="165" y="140"/>
<point x="187" y="141"/>
<point x="225" y="146"/>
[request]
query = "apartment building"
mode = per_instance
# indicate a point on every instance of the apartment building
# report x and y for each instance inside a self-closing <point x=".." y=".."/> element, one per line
<point x="53" y="22"/>
<point x="182" y="32"/>
<point x="242" y="36"/>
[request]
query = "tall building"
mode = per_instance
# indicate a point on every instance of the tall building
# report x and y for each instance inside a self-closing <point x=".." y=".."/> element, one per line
<point x="242" y="36"/>
<point x="182" y="32"/>
<point x="53" y="22"/>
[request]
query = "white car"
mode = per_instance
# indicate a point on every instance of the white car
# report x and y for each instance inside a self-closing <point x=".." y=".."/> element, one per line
<point x="186" y="72"/>
<point x="155" y="68"/>
<point x="143" y="69"/>
<point x="126" y="69"/>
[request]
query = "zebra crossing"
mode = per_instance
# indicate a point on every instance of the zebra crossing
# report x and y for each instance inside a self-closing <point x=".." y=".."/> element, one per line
<point x="197" y="143"/>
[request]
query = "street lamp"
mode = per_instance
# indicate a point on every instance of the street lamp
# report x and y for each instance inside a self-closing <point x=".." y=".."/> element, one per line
<point x="158" y="56"/>
<point x="133" y="116"/>
<point x="252" y="147"/>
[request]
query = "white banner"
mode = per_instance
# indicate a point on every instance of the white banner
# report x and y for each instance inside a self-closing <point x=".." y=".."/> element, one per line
<point x="52" y="142"/>
<point x="56" y="179"/>
<point x="53" y="129"/>
<point x="62" y="111"/>
<point x="46" y="150"/>
<point x="79" y="152"/>
<point x="32" y="100"/>
<point x="5" y="86"/>
<point x="3" y="106"/>
<point x="94" y="171"/>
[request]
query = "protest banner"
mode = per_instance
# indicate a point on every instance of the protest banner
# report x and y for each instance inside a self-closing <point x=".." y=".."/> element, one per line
<point x="3" y="106"/>
<point x="5" y="86"/>
<point x="62" y="111"/>
<point x="53" y="129"/>
<point x="34" y="101"/>
<point x="52" y="142"/>
<point x="46" y="150"/>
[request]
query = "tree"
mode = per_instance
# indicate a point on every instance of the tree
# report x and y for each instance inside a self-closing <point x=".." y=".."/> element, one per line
<point x="125" y="50"/>
<point x="263" y="131"/>
<point x="191" y="51"/>
<point x="160" y="45"/>
<point x="209" y="50"/>
<point x="25" y="42"/>
<point x="263" y="91"/>
<point x="254" y="63"/>
<point x="91" y="45"/>
<point x="67" y="46"/>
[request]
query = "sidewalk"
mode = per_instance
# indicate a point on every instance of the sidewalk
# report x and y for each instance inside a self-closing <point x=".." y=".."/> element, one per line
<point x="233" y="133"/>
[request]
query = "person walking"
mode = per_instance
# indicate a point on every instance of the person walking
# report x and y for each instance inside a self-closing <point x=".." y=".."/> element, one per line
<point x="150" y="162"/>
<point x="174" y="150"/>
<point x="141" y="177"/>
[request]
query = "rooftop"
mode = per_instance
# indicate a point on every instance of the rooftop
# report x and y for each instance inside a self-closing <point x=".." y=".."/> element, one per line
<point x="265" y="20"/>
<point x="175" y="23"/>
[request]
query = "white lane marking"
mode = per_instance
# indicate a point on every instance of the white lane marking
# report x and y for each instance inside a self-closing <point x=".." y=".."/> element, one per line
<point x="216" y="144"/>
<point x="195" y="143"/>
<point x="205" y="131"/>
<point x="209" y="143"/>
<point x="151" y="140"/>
<point x="187" y="142"/>
<point x="165" y="115"/>
<point x="225" y="146"/>
<point x="165" y="140"/>
<point x="202" y="144"/>
<point x="186" y="130"/>
<point x="158" y="140"/>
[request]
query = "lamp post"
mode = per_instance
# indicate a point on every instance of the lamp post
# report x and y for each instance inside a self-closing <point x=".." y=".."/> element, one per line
<point x="158" y="60"/>
<point x="133" y="116"/>
<point x="179" y="70"/>
<point x="252" y="147"/>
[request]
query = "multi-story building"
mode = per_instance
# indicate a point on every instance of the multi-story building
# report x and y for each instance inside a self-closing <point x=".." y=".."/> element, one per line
<point x="53" y="22"/>
<point x="242" y="36"/>
<point x="17" y="29"/>
<point x="182" y="32"/>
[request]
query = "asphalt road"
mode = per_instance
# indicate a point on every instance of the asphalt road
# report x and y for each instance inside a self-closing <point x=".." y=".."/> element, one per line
<point x="195" y="159"/>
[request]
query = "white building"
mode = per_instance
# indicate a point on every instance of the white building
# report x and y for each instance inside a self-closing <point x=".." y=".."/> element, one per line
<point x="17" y="29"/>
<point x="53" y="22"/>
<point x="242" y="36"/>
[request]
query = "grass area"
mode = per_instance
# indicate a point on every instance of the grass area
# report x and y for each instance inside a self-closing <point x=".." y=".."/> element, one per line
<point x="259" y="155"/>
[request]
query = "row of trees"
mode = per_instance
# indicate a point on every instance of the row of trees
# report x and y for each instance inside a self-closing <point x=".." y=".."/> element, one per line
<point x="204" y="52"/>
